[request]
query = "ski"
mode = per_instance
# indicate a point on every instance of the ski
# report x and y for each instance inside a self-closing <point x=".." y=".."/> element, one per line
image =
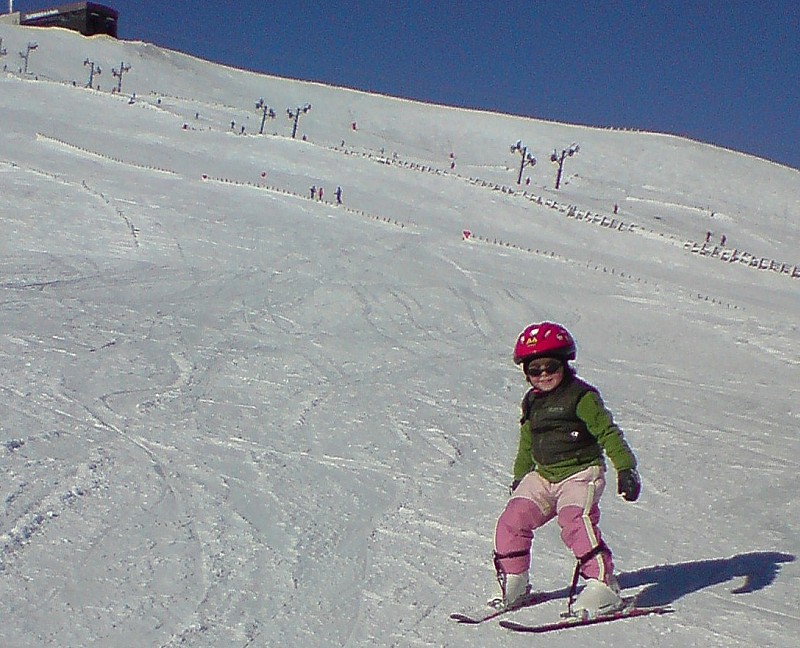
<point x="494" y="609"/>
<point x="574" y="622"/>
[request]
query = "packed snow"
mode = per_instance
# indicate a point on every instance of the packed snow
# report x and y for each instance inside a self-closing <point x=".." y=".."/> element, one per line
<point x="234" y="415"/>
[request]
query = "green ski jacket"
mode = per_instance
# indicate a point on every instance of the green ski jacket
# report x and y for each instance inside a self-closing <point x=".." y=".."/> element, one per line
<point x="567" y="430"/>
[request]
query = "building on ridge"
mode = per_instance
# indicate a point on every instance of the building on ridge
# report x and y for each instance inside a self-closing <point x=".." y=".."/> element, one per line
<point x="88" y="18"/>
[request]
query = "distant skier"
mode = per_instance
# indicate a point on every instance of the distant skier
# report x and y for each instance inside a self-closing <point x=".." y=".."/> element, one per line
<point x="559" y="472"/>
<point x="338" y="194"/>
<point x="313" y="192"/>
<point x="723" y="240"/>
<point x="321" y="191"/>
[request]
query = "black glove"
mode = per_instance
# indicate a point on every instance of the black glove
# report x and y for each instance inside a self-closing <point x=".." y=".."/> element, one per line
<point x="513" y="486"/>
<point x="628" y="484"/>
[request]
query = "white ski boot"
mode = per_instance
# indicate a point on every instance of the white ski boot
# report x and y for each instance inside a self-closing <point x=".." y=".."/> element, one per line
<point x="515" y="592"/>
<point x="514" y="589"/>
<point x="597" y="599"/>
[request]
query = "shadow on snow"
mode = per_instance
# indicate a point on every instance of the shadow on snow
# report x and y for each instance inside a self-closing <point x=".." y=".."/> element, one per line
<point x="665" y="584"/>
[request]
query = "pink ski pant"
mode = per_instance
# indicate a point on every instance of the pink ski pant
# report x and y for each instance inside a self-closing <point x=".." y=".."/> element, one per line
<point x="574" y="502"/>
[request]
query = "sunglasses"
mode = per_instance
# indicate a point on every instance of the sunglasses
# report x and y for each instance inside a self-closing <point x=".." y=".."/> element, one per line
<point x="549" y="367"/>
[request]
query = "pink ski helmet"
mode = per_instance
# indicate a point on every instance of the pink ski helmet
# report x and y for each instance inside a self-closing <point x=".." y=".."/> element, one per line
<point x="545" y="339"/>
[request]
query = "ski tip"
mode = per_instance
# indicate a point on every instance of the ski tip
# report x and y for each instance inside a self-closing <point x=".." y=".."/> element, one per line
<point x="513" y="625"/>
<point x="485" y="614"/>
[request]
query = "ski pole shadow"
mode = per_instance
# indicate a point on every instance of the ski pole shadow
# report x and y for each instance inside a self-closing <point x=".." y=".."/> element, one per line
<point x="664" y="584"/>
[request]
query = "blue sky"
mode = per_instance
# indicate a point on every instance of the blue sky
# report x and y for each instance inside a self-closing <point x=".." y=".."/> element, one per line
<point x="725" y="72"/>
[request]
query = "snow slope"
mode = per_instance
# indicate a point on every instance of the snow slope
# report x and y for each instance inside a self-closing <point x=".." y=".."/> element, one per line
<point x="231" y="415"/>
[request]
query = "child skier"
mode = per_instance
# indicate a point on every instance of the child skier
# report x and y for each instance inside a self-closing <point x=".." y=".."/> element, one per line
<point x="559" y="472"/>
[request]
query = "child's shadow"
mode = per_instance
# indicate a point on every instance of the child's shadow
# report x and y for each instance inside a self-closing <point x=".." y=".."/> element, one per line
<point x="665" y="584"/>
